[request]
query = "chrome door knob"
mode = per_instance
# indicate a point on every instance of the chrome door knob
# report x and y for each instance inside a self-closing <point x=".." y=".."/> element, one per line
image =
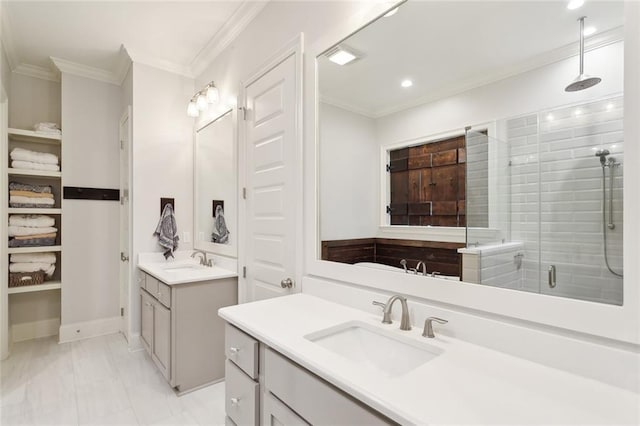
<point x="286" y="283"/>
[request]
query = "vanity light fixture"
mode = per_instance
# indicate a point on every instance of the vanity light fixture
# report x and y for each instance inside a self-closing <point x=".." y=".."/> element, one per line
<point x="202" y="99"/>
<point x="575" y="4"/>
<point x="406" y="83"/>
<point x="341" y="56"/>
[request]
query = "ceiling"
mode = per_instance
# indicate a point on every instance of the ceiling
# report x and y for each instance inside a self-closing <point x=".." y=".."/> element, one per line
<point x="176" y="35"/>
<point x="448" y="47"/>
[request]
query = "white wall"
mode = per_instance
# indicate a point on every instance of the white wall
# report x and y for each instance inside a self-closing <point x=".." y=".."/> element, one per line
<point x="33" y="100"/>
<point x="5" y="70"/>
<point x="348" y="180"/>
<point x="90" y="117"/>
<point x="162" y="160"/>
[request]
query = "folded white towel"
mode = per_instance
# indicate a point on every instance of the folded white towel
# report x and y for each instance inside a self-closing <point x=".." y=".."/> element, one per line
<point x="23" y="231"/>
<point x="46" y="126"/>
<point x="33" y="156"/>
<point x="18" y="199"/>
<point x="47" y="268"/>
<point x="29" y="165"/>
<point x="33" y="258"/>
<point x="31" y="220"/>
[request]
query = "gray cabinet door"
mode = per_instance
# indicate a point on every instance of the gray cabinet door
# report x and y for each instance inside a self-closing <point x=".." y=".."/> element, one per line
<point x="162" y="339"/>
<point x="276" y="413"/>
<point x="146" y="332"/>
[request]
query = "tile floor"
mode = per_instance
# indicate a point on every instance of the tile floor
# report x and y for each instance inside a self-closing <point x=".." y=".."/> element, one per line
<point x="96" y="381"/>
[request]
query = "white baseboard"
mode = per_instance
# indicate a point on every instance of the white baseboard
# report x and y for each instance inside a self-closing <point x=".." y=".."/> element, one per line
<point x="87" y="329"/>
<point x="35" y="329"/>
<point x="134" y="343"/>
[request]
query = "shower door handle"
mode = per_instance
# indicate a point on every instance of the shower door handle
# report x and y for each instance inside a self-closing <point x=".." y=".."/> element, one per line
<point x="552" y="276"/>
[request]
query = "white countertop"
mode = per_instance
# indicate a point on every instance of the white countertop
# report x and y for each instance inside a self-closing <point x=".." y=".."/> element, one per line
<point x="466" y="384"/>
<point x="180" y="270"/>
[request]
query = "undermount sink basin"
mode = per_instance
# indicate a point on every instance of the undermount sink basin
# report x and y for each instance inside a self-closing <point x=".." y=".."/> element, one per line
<point x="376" y="348"/>
<point x="182" y="268"/>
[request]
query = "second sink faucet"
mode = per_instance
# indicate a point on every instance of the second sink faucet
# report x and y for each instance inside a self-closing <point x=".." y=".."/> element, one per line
<point x="405" y="323"/>
<point x="203" y="258"/>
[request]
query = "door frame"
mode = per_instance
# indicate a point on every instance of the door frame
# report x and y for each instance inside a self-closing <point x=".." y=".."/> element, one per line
<point x="4" y="263"/>
<point x="126" y="297"/>
<point x="295" y="47"/>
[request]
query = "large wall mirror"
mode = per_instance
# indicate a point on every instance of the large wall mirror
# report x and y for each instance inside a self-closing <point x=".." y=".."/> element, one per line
<point x="216" y="187"/>
<point x="453" y="145"/>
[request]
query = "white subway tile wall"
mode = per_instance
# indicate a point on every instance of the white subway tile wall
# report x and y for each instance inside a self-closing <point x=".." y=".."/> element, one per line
<point x="557" y="200"/>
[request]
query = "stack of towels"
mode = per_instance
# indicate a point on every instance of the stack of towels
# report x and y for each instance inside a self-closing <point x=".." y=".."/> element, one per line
<point x="31" y="231"/>
<point x="32" y="160"/>
<point x="33" y="262"/>
<point x="25" y="195"/>
<point x="50" y="128"/>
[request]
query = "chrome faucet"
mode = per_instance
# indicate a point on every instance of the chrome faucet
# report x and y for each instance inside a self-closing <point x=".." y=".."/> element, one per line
<point x="424" y="267"/>
<point x="428" y="326"/>
<point x="403" y="262"/>
<point x="405" y="324"/>
<point x="203" y="258"/>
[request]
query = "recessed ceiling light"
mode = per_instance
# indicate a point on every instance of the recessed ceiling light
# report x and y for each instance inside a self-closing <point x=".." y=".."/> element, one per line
<point x="549" y="117"/>
<point x="574" y="4"/>
<point x="577" y="112"/>
<point x="406" y="83"/>
<point x="589" y="31"/>
<point x="609" y="106"/>
<point x="341" y="56"/>
<point x="391" y="12"/>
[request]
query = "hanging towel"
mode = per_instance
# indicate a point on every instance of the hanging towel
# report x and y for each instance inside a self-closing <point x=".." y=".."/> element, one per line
<point x="167" y="231"/>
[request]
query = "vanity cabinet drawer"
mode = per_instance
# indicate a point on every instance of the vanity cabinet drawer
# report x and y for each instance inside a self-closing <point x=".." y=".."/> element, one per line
<point x="241" y="396"/>
<point x="164" y="294"/>
<point x="285" y="379"/>
<point x="242" y="349"/>
<point x="151" y="285"/>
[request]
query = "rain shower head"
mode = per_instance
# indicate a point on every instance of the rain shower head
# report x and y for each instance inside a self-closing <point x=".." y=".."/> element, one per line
<point x="583" y="81"/>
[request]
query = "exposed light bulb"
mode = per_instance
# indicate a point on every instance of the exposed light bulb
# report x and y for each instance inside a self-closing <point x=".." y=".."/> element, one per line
<point x="212" y="94"/>
<point x="575" y="4"/>
<point x="201" y="102"/>
<point x="406" y="83"/>
<point x="192" y="109"/>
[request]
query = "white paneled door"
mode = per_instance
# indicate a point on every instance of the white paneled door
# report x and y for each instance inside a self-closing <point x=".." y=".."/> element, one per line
<point x="272" y="182"/>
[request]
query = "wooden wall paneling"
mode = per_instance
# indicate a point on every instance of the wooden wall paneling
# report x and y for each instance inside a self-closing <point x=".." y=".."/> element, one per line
<point x="349" y="251"/>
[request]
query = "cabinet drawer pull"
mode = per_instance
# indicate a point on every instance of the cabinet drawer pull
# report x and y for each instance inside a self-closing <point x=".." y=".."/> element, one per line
<point x="235" y="401"/>
<point x="234" y="350"/>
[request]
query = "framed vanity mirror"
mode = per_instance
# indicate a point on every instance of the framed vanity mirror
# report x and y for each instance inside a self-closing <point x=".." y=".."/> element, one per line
<point x="216" y="187"/>
<point x="468" y="155"/>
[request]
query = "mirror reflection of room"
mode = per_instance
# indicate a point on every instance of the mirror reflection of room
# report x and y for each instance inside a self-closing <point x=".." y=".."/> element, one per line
<point x="481" y="157"/>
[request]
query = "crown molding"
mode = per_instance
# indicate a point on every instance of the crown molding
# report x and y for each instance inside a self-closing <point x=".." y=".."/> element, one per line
<point x="6" y="37"/>
<point x="595" y="42"/>
<point x="37" y="72"/>
<point x="123" y="65"/>
<point x="85" y="71"/>
<point x="238" y="21"/>
<point x="164" y="65"/>
<point x="346" y="106"/>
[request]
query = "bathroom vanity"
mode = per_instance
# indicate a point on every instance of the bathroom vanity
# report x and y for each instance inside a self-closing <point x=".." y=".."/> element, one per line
<point x="180" y="329"/>
<point x="303" y="360"/>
